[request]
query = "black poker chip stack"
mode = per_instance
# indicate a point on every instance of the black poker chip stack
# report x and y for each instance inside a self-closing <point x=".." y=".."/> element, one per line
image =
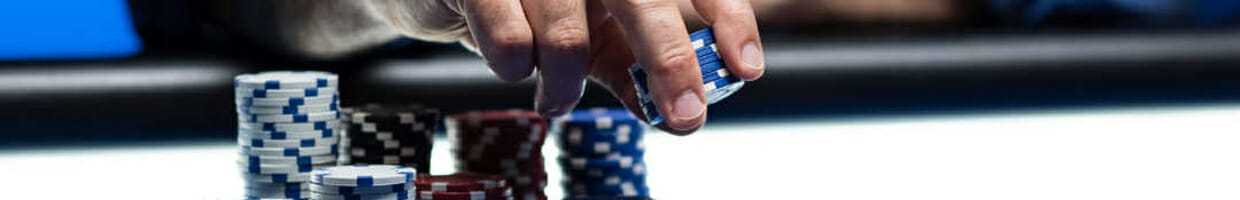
<point x="389" y="134"/>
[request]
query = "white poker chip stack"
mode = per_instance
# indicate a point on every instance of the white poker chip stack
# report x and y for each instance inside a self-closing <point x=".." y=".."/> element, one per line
<point x="287" y="126"/>
<point x="370" y="182"/>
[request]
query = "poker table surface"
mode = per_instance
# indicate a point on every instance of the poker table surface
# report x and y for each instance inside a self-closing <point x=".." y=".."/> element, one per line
<point x="1157" y="152"/>
<point x="1130" y="116"/>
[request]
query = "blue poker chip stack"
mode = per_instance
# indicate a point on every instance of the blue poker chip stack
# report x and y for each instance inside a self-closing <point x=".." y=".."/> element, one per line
<point x="287" y="127"/>
<point x="719" y="84"/>
<point x="601" y="154"/>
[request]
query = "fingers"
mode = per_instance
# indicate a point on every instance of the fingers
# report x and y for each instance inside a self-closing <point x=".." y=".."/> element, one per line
<point x="660" y="43"/>
<point x="736" y="35"/>
<point x="502" y="35"/>
<point x="563" y="52"/>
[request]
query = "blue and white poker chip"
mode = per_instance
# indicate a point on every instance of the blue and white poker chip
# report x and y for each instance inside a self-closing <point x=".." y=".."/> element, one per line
<point x="261" y="168"/>
<point x="306" y="142"/>
<point x="288" y="110"/>
<point x="289" y="127"/>
<point x="275" y="178"/>
<point x="286" y="135"/>
<point x="609" y="162"/>
<point x="290" y="151"/>
<point x="287" y="160"/>
<point x="294" y="118"/>
<point x="286" y="80"/>
<point x="627" y="189"/>
<point x="344" y="190"/>
<point x="364" y="176"/>
<point x="284" y="93"/>
<point x="720" y="89"/>
<point x="279" y="102"/>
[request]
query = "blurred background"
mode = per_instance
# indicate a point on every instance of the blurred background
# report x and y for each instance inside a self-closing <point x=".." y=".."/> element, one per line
<point x="114" y="73"/>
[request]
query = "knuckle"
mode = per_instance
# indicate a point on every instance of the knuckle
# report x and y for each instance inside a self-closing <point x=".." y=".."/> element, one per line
<point x="511" y="40"/>
<point x="569" y="39"/>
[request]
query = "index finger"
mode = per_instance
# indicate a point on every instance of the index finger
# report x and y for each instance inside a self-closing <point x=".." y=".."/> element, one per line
<point x="656" y="32"/>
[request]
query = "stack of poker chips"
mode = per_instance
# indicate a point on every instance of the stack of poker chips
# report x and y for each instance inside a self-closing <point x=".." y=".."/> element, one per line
<point x="389" y="134"/>
<point x="601" y="154"/>
<point x="716" y="80"/>
<point x="503" y="142"/>
<point x="371" y="182"/>
<point x="287" y="127"/>
<point x="463" y="186"/>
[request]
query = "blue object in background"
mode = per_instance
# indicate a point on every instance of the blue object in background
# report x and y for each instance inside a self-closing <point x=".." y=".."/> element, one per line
<point x="66" y="29"/>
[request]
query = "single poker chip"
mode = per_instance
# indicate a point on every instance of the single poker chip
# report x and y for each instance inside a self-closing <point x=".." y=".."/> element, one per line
<point x="461" y="182"/>
<point x="496" y="117"/>
<point x="532" y="169"/>
<point x="402" y="195"/>
<point x="402" y="151"/>
<point x="402" y="129"/>
<point x="402" y="114"/>
<point x="284" y="93"/>
<point x="307" y="126"/>
<point x="498" y="193"/>
<point x="722" y="88"/>
<point x="294" y="118"/>
<point x="261" y="168"/>
<point x="652" y="112"/>
<point x="621" y="189"/>
<point x="338" y="190"/>
<point x="522" y="151"/>
<point x="595" y="174"/>
<point x="289" y="151"/>
<point x="390" y="127"/>
<point x="705" y="52"/>
<point x="715" y="75"/>
<point x="285" y="135"/>
<point x="391" y="160"/>
<point x="286" y="80"/>
<point x="294" y="101"/>
<point x="364" y="176"/>
<point x="576" y="141"/>
<point x="707" y="56"/>
<point x="500" y="135"/>
<point x="307" y="142"/>
<point x="413" y="139"/>
<point x="290" y="110"/>
<point x="376" y="144"/>
<point x="599" y="119"/>
<point x="287" y="160"/>
<point x="609" y="162"/>
<point x="276" y="178"/>
<point x="705" y="35"/>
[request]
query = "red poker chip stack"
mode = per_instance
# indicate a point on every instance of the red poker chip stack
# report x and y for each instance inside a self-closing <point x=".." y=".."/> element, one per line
<point x="463" y="186"/>
<point x="503" y="142"/>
